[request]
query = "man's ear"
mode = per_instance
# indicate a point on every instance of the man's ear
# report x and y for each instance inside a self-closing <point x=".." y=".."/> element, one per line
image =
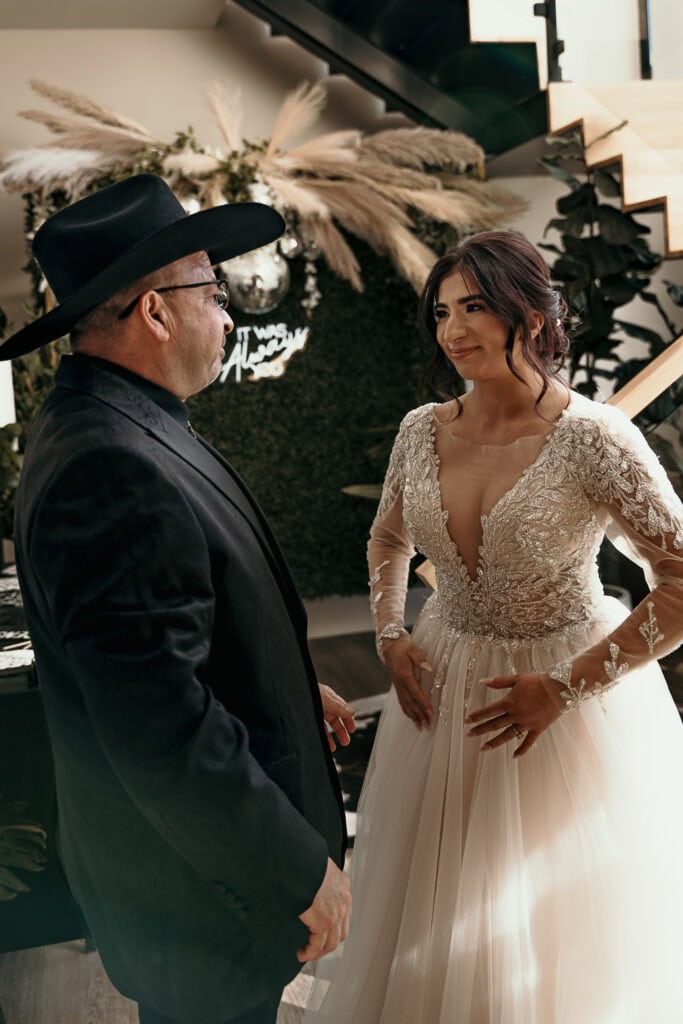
<point x="154" y="314"/>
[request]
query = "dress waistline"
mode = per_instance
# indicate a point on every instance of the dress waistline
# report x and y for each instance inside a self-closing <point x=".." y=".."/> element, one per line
<point x="597" y="617"/>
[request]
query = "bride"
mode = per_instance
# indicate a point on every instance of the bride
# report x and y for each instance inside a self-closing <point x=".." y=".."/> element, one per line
<point x="517" y="859"/>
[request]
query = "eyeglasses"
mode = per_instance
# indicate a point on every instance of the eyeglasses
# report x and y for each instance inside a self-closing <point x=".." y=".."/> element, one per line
<point x="221" y="298"/>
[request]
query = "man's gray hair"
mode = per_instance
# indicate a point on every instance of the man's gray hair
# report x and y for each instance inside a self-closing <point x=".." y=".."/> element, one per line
<point x="102" y="321"/>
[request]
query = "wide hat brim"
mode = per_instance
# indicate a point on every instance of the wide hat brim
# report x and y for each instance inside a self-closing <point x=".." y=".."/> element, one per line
<point x="223" y="232"/>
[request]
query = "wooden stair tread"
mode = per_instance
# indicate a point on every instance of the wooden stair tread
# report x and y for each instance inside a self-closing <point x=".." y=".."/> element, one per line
<point x="649" y="147"/>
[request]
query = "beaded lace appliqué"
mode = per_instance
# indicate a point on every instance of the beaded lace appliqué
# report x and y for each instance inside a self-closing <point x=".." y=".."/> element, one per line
<point x="650" y="630"/>
<point x="573" y="696"/>
<point x="536" y="574"/>
<point x="536" y="570"/>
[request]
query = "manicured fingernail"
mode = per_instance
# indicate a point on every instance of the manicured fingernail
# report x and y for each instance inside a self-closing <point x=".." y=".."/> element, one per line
<point x="486" y="746"/>
<point x="489" y="679"/>
<point x="426" y="666"/>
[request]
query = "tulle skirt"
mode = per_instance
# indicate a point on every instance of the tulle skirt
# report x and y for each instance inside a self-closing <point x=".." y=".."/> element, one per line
<point x="545" y="889"/>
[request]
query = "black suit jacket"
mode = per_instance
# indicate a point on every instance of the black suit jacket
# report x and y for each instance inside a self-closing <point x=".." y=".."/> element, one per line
<point x="198" y="801"/>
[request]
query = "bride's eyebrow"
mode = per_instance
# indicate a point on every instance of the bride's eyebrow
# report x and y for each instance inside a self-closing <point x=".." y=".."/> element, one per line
<point x="461" y="302"/>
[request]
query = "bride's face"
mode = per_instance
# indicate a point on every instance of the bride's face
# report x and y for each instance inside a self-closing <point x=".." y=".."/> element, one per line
<point x="471" y="336"/>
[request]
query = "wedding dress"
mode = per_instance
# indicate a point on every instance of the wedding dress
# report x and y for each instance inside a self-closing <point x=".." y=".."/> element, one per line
<point x="544" y="889"/>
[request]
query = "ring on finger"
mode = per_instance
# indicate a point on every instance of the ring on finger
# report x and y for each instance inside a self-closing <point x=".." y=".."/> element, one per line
<point x="517" y="731"/>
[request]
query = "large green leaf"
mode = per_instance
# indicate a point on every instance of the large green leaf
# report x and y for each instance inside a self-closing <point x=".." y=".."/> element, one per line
<point x="582" y="198"/>
<point x="10" y="885"/>
<point x="675" y="292"/>
<point x="560" y="174"/>
<point x="627" y="370"/>
<point x="549" y="247"/>
<point x="20" y="848"/>
<point x="618" y="289"/>
<point x="572" y="225"/>
<point x="616" y="227"/>
<point x="568" y="269"/>
<point x="606" y="183"/>
<point x="22" y="845"/>
<point x="586" y="387"/>
<point x="645" y="258"/>
<point x="640" y="332"/>
<point x="606" y="258"/>
<point x="600" y="313"/>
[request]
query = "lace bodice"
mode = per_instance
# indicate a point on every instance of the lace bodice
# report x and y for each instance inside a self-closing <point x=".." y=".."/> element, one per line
<point x="536" y="569"/>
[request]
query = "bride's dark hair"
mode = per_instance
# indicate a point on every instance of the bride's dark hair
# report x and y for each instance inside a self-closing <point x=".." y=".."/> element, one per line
<point x="513" y="279"/>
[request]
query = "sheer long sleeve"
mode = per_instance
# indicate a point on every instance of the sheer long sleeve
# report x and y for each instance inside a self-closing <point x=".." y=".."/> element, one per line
<point x="390" y="550"/>
<point x="639" y="507"/>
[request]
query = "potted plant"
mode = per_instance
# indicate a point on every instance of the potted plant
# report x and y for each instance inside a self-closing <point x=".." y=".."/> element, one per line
<point x="22" y="847"/>
<point x="603" y="263"/>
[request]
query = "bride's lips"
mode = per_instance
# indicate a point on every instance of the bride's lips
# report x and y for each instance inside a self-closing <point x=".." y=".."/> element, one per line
<point x="461" y="353"/>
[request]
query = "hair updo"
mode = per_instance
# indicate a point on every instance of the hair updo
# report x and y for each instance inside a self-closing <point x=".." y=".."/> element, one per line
<point x="512" y="277"/>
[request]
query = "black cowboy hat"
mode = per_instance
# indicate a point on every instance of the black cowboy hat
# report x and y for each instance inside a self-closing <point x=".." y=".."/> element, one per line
<point x="92" y="249"/>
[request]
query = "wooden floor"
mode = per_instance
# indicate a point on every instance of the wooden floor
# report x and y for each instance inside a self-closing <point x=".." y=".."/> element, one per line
<point x="350" y="665"/>
<point x="61" y="984"/>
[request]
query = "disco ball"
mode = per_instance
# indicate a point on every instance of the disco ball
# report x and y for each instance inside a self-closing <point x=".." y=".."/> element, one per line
<point x="258" y="281"/>
<point x="290" y="245"/>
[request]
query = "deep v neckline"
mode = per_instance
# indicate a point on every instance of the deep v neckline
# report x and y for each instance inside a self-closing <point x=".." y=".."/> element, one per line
<point x="501" y="500"/>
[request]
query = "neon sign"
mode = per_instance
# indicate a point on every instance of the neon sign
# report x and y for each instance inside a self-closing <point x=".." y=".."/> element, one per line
<point x="263" y="351"/>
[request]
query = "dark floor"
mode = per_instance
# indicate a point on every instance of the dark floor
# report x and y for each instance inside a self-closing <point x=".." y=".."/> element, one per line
<point x="349" y="664"/>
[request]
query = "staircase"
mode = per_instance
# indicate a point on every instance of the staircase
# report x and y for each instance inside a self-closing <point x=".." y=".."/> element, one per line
<point x="644" y="120"/>
<point x="424" y="59"/>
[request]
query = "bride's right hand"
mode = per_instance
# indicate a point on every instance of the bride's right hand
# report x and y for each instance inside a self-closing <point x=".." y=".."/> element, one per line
<point x="402" y="658"/>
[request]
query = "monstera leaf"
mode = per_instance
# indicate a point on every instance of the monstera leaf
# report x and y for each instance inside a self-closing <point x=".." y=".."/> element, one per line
<point x="22" y="846"/>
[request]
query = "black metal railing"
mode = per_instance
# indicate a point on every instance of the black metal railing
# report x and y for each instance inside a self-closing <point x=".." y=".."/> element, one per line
<point x="644" y="41"/>
<point x="419" y="59"/>
<point x="555" y="46"/>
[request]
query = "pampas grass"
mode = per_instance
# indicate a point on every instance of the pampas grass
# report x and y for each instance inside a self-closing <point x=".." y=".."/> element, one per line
<point x="299" y="111"/>
<point x="45" y="169"/>
<point x="423" y="147"/>
<point x="335" y="248"/>
<point x="85" y="107"/>
<point x="227" y="110"/>
<point x="297" y="196"/>
<point x="372" y="186"/>
<point x="190" y="164"/>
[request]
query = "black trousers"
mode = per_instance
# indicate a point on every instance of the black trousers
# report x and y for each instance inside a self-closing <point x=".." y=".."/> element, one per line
<point x="264" y="1013"/>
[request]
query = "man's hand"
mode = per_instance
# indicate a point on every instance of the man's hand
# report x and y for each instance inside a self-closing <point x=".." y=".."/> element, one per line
<point x="327" y="919"/>
<point x="339" y="715"/>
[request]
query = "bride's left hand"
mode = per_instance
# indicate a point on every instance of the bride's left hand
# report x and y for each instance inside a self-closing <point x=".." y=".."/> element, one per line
<point x="527" y="709"/>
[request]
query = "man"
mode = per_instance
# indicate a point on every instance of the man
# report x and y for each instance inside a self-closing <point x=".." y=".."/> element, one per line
<point x="201" y="826"/>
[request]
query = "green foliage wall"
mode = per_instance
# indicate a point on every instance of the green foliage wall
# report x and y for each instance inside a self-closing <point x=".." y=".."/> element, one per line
<point x="299" y="439"/>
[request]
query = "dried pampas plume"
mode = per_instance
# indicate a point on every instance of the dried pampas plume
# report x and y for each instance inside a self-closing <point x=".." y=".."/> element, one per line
<point x="227" y="110"/>
<point x="371" y="186"/>
<point x="85" y="107"/>
<point x="299" y="111"/>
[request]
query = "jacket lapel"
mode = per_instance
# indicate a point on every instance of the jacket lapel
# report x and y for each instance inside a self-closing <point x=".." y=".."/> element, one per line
<point x="131" y="402"/>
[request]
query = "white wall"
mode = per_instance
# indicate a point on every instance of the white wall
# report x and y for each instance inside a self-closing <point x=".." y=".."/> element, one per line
<point x="601" y="39"/>
<point x="666" y="38"/>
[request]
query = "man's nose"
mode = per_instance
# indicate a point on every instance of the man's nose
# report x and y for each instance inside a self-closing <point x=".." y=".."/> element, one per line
<point x="228" y="323"/>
